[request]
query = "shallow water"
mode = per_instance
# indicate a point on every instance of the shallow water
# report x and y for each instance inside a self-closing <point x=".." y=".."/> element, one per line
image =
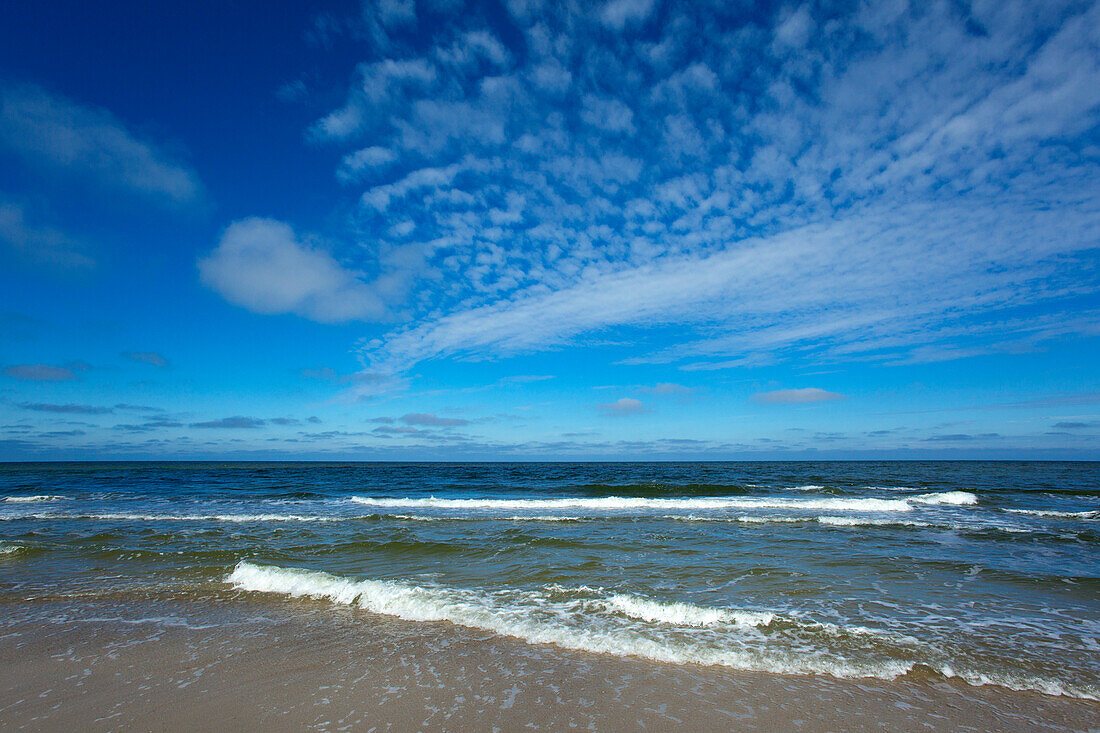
<point x="986" y="572"/>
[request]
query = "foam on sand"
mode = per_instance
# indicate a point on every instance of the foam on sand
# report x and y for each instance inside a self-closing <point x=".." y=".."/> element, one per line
<point x="591" y="620"/>
<point x="618" y="624"/>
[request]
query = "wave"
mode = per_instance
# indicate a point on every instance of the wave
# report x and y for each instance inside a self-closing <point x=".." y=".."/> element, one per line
<point x="953" y="498"/>
<point x="11" y="549"/>
<point x="589" y="620"/>
<point x="747" y="518"/>
<point x="33" y="499"/>
<point x="634" y="504"/>
<point x="571" y="619"/>
<point x="685" y="614"/>
<point x="863" y="522"/>
<point x="1095" y="514"/>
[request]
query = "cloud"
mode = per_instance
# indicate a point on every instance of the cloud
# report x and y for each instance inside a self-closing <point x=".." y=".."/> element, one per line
<point x="617" y="14"/>
<point x="262" y="265"/>
<point x="38" y="242"/>
<point x="147" y="357"/>
<point x="525" y="378"/>
<point x="65" y="409"/>
<point x="137" y="408"/>
<point x="427" y="418"/>
<point x="881" y="187"/>
<point x="43" y="372"/>
<point x="796" y="396"/>
<point x="1077" y="425"/>
<point x="149" y="425"/>
<point x="624" y="406"/>
<point x="961" y="437"/>
<point x="354" y="164"/>
<point x="668" y="388"/>
<point x="236" y="422"/>
<point x="50" y="131"/>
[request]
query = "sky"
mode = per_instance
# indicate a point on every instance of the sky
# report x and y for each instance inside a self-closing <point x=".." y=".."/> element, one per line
<point x="516" y="230"/>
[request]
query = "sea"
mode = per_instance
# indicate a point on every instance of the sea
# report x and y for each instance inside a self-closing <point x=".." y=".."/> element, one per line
<point x="984" y="573"/>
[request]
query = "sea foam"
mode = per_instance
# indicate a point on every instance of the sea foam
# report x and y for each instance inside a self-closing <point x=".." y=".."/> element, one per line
<point x="613" y="504"/>
<point x="1056" y="514"/>
<point x="587" y="619"/>
<point x="651" y="629"/>
<point x="33" y="499"/>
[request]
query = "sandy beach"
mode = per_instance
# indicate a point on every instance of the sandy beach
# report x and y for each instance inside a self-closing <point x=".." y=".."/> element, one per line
<point x="256" y="663"/>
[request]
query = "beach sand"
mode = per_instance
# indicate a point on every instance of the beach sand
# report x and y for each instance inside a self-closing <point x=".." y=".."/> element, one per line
<point x="255" y="662"/>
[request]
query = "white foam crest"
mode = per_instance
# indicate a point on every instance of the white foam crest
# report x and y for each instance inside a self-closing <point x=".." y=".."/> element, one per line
<point x="632" y="503"/>
<point x="11" y="549"/>
<point x="867" y="522"/>
<point x="1022" y="683"/>
<point x="684" y="614"/>
<point x="757" y="519"/>
<point x="954" y="498"/>
<point x="1056" y="514"/>
<point x="537" y="620"/>
<point x="33" y="499"/>
<point x="891" y="488"/>
<point x="807" y="487"/>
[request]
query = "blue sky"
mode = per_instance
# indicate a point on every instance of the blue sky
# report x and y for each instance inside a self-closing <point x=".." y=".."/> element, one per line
<point x="638" y="229"/>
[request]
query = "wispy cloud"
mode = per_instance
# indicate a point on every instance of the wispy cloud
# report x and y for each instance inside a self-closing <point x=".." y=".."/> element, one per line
<point x="38" y="242"/>
<point x="66" y="408"/>
<point x="51" y="131"/>
<point x="237" y="422"/>
<point x="667" y="388"/>
<point x="796" y="396"/>
<point x="1077" y="424"/>
<point x="854" y="200"/>
<point x="622" y="407"/>
<point x="427" y="418"/>
<point x="44" y="372"/>
<point x="147" y="357"/>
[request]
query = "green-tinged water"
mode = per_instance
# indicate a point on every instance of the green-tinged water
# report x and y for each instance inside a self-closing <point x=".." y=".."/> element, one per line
<point x="985" y="571"/>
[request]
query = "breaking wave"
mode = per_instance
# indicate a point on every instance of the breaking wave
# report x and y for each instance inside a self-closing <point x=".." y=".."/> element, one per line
<point x="642" y="504"/>
<point x="587" y="619"/>
<point x="1056" y="514"/>
<point x="33" y="499"/>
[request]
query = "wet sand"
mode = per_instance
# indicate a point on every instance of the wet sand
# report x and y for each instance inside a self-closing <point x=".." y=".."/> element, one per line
<point x="255" y="663"/>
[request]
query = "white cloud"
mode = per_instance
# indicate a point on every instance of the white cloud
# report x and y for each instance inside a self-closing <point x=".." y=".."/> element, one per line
<point x="37" y="242"/>
<point x="857" y="184"/>
<point x="262" y="265"/>
<point x="842" y="283"/>
<point x="624" y="406"/>
<point x="796" y="396"/>
<point x="617" y="14"/>
<point x="356" y="163"/>
<point x="51" y="131"/>
<point x="607" y="114"/>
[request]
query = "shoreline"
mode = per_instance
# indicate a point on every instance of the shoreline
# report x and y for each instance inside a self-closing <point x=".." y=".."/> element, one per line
<point x="254" y="661"/>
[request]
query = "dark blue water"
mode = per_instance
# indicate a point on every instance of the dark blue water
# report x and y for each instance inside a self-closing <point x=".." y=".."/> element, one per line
<point x="987" y="571"/>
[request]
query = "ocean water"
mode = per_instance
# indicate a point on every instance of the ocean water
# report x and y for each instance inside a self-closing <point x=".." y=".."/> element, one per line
<point x="987" y="572"/>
